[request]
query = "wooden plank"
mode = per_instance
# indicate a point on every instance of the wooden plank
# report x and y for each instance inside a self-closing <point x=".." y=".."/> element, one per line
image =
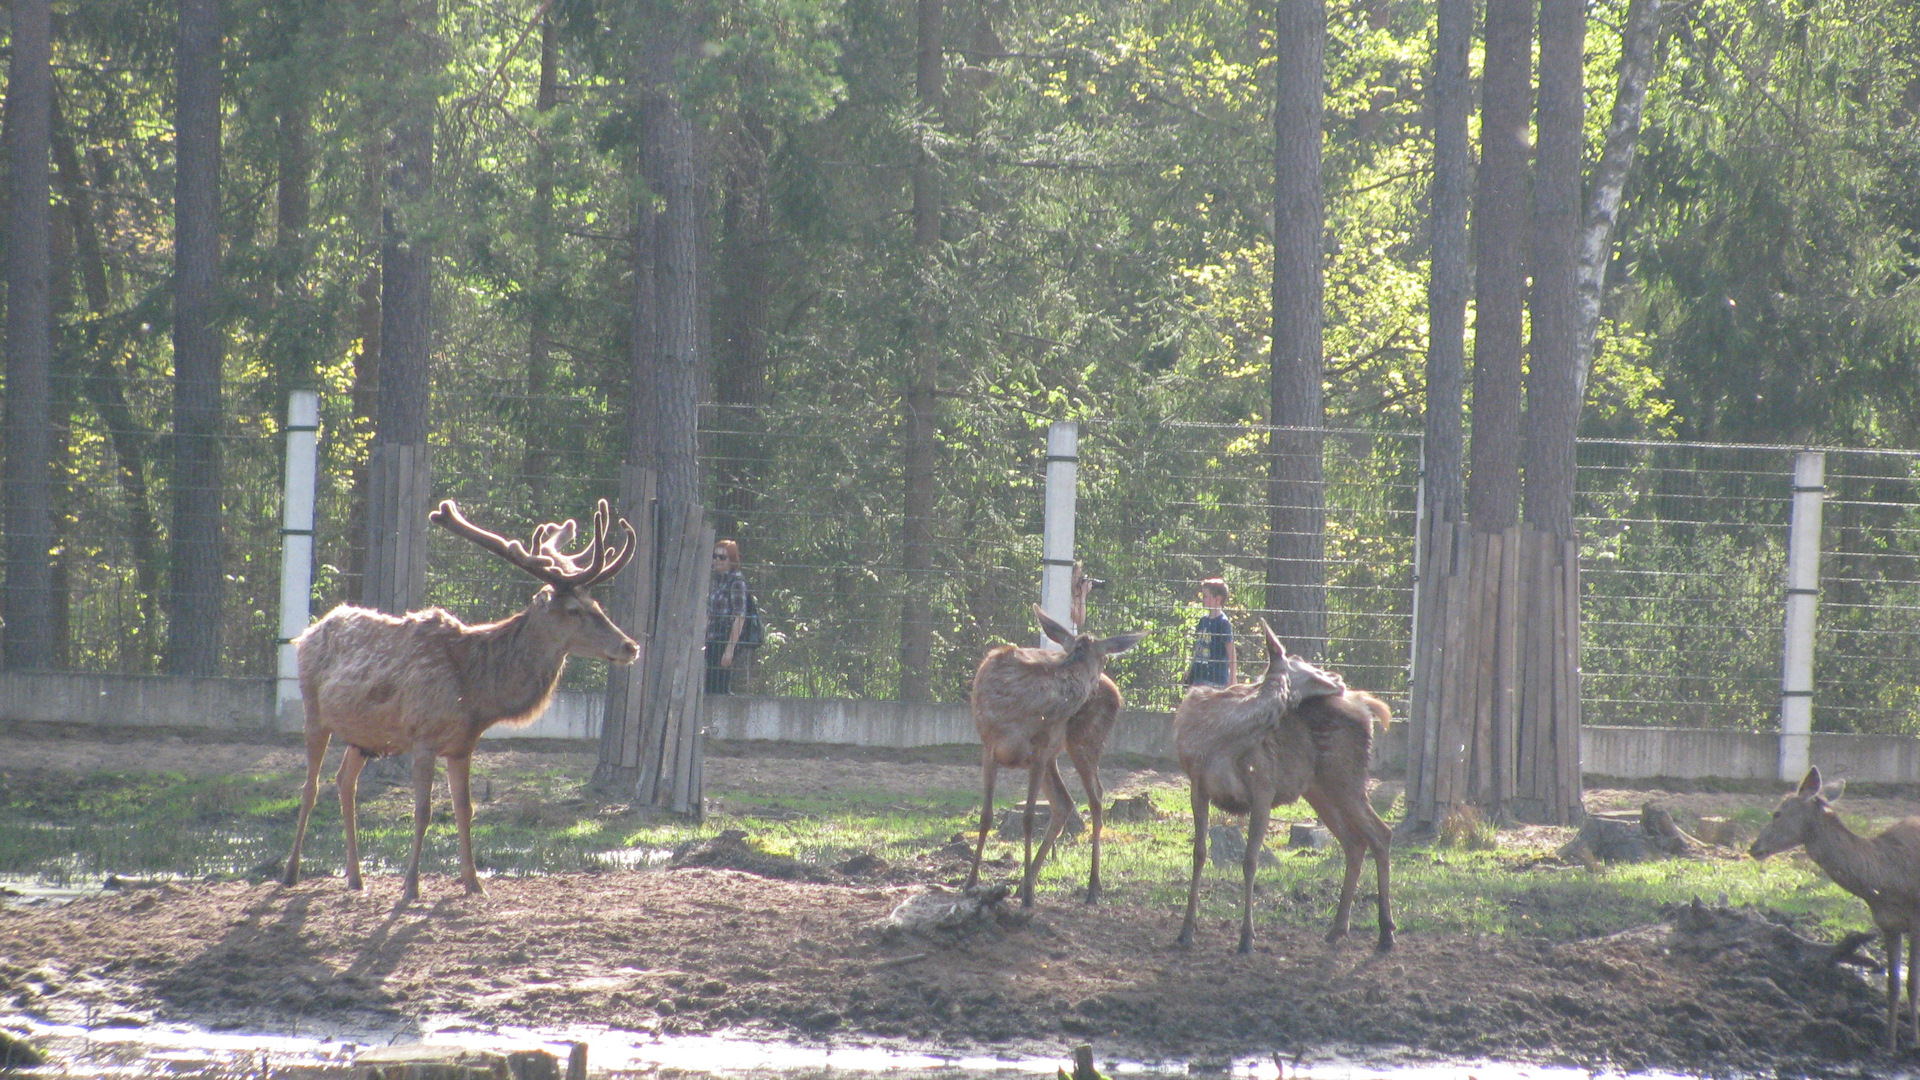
<point x="660" y="664"/>
<point x="1531" y="696"/>
<point x="1423" y="691"/>
<point x="685" y="635"/>
<point x="1448" y="756"/>
<point x="693" y="708"/>
<point x="1506" y="663"/>
<point x="1486" y="647"/>
<point x="1569" y="711"/>
<point x="630" y="605"/>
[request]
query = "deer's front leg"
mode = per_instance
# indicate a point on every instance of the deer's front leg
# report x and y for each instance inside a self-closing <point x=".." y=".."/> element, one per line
<point x="459" y="767"/>
<point x="989" y="770"/>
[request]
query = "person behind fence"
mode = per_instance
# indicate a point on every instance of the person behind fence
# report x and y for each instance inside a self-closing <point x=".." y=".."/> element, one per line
<point x="727" y="609"/>
<point x="1215" y="660"/>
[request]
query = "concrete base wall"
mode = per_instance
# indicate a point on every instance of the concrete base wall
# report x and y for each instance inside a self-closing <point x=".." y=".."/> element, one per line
<point x="248" y="706"/>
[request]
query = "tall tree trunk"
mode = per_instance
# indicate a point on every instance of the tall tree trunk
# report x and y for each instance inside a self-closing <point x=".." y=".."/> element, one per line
<point x="537" y="462"/>
<point x="102" y="382"/>
<point x="63" y="383"/>
<point x="1553" y="410"/>
<point x="677" y="371"/>
<point x="1500" y="248"/>
<point x="920" y="464"/>
<point x="1450" y="99"/>
<point x="28" y="641"/>
<point x="1296" y="539"/>
<point x="746" y="284"/>
<point x="194" y="615"/>
<point x="297" y="344"/>
<point x="399" y="474"/>
<point x="1638" y="55"/>
<point x="365" y="394"/>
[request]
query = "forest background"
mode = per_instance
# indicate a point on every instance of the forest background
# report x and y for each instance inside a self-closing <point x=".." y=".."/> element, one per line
<point x="834" y="283"/>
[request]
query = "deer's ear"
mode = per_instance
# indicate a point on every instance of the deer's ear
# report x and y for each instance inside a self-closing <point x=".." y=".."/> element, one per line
<point x="1120" y="643"/>
<point x="1832" y="792"/>
<point x="1810" y="783"/>
<point x="1275" y="651"/>
<point x="1050" y="627"/>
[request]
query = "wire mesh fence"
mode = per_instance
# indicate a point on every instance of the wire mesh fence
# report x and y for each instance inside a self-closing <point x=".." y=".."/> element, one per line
<point x="1683" y="546"/>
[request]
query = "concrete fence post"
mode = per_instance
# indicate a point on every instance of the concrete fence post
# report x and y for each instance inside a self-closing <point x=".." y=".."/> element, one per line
<point x="1056" y="543"/>
<point x="1803" y="600"/>
<point x="296" y="547"/>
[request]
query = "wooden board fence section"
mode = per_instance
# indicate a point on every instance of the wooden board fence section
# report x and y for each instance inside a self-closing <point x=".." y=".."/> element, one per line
<point x="630" y="603"/>
<point x="1496" y="697"/>
<point x="399" y="487"/>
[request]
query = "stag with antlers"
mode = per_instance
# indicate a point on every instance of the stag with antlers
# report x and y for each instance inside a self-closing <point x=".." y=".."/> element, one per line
<point x="426" y="682"/>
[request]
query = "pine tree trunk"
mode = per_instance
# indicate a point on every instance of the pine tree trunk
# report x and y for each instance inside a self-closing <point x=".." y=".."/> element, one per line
<point x="677" y="369"/>
<point x="398" y="474"/>
<point x="538" y="458"/>
<point x="28" y="642"/>
<point x="194" y="614"/>
<point x="920" y="463"/>
<point x="1296" y="554"/>
<point x="1500" y="255"/>
<point x="1553" y="410"/>
<point x="1451" y="97"/>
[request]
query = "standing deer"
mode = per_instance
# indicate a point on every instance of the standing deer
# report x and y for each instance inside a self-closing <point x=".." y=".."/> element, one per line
<point x="1024" y="701"/>
<point x="1250" y="747"/>
<point x="428" y="683"/>
<point x="1884" y="871"/>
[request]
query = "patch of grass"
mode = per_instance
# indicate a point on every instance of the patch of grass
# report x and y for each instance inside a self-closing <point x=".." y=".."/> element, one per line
<point x="542" y="821"/>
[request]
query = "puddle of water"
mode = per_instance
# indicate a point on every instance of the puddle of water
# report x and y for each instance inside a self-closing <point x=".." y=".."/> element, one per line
<point x="147" y="1052"/>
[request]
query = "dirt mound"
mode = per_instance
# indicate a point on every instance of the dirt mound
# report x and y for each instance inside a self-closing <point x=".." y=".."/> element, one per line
<point x="707" y="948"/>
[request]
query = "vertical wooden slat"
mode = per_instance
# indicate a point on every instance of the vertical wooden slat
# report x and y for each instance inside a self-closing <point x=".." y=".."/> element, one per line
<point x="1531" y="670"/>
<point x="1569" y="714"/>
<point x="1485" y="641"/>
<point x="1506" y="669"/>
<point x="693" y="704"/>
<point x="1447" y="756"/>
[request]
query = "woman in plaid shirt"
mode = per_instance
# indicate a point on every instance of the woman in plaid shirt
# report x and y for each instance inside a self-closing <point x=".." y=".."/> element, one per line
<point x="726" y="618"/>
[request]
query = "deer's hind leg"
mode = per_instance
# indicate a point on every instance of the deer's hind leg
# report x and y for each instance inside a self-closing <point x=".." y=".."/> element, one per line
<point x="1200" y="807"/>
<point x="458" y="770"/>
<point x="1060" y="810"/>
<point x="423" y="760"/>
<point x="989" y="771"/>
<point x="352" y="760"/>
<point x="1257" y="816"/>
<point x="317" y="738"/>
<point x="1030" y="869"/>
<point x="1361" y="833"/>
<point x="1088" y="766"/>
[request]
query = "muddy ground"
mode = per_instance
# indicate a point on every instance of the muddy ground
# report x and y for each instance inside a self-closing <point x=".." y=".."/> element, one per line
<point x="718" y="947"/>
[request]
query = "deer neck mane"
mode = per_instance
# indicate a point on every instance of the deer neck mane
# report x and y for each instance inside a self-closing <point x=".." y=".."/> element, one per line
<point x="513" y="666"/>
<point x="1846" y="856"/>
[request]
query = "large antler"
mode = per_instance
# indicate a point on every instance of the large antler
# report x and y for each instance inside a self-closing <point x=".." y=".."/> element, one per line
<point x="544" y="559"/>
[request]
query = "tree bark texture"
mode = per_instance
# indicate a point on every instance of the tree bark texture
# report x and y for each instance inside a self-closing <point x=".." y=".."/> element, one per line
<point x="28" y="640"/>
<point x="537" y="461"/>
<point x="1500" y="215"/>
<point x="1553" y="410"/>
<point x="1447" y="283"/>
<point x="1638" y="58"/>
<point x="669" y="135"/>
<point x="746" y="284"/>
<point x="398" y="475"/>
<point x="920" y="463"/>
<point x="366" y="358"/>
<point x="193" y="623"/>
<point x="1296" y="496"/>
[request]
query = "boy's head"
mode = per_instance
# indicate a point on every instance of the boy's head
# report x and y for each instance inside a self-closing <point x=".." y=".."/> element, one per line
<point x="1213" y="591"/>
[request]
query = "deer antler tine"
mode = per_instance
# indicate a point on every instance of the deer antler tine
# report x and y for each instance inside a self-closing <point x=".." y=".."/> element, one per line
<point x="448" y="516"/>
